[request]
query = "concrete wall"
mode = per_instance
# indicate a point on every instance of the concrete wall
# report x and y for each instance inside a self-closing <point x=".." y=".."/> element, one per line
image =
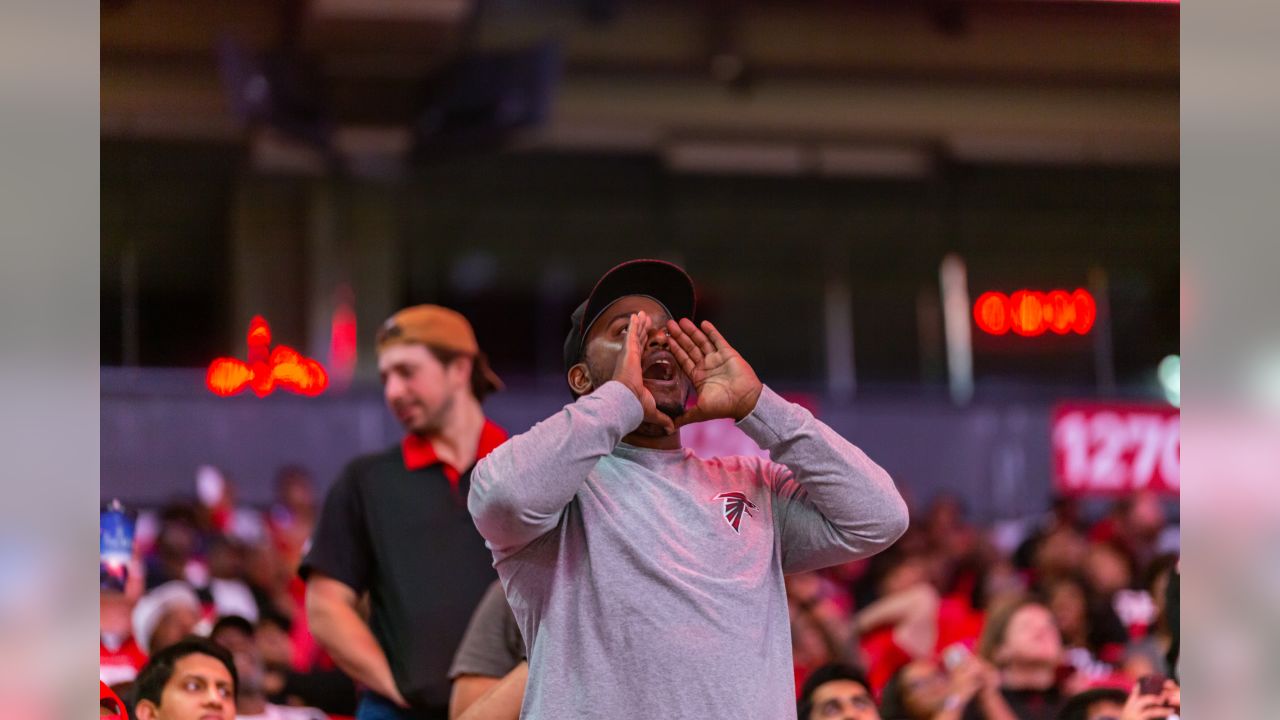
<point x="159" y="425"/>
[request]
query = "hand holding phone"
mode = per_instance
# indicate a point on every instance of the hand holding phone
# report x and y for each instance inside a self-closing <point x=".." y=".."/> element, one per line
<point x="1151" y="684"/>
<point x="954" y="655"/>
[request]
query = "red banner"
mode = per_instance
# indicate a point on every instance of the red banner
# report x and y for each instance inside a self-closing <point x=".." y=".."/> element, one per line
<point x="1113" y="448"/>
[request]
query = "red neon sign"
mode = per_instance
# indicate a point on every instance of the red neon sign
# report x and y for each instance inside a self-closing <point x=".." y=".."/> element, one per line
<point x="1030" y="312"/>
<point x="266" y="369"/>
<point x="1103" y="448"/>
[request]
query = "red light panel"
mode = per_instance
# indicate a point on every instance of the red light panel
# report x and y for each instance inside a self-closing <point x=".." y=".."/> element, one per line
<point x="1059" y="313"/>
<point x="1086" y="311"/>
<point x="266" y="368"/>
<point x="991" y="312"/>
<point x="1030" y="312"/>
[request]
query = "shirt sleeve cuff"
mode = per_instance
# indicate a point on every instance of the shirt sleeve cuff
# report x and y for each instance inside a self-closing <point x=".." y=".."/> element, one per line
<point x="772" y="419"/>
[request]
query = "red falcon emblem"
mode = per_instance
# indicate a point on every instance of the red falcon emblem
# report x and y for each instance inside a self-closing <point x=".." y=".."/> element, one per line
<point x="735" y="503"/>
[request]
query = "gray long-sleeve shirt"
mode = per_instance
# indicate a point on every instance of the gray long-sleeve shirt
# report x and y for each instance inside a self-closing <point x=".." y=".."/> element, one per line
<point x="649" y="583"/>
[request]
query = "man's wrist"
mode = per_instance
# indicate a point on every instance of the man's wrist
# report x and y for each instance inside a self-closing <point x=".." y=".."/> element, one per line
<point x="749" y="406"/>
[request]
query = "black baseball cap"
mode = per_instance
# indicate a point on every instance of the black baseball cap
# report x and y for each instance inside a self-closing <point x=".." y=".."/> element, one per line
<point x="665" y="282"/>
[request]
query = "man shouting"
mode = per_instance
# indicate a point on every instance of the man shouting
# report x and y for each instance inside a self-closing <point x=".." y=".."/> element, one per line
<point x="647" y="581"/>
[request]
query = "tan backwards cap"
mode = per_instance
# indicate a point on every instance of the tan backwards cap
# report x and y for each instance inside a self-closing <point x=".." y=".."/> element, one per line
<point x="440" y="328"/>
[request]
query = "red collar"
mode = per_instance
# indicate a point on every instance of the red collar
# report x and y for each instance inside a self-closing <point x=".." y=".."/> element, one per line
<point x="419" y="453"/>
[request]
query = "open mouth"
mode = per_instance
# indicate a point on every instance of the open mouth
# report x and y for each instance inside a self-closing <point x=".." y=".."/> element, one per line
<point x="660" y="367"/>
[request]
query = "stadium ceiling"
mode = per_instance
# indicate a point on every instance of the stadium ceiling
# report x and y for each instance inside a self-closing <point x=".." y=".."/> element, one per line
<point x="1032" y="80"/>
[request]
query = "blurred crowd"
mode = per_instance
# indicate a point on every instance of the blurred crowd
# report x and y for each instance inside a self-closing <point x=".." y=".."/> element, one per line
<point x="980" y="622"/>
<point x="214" y="568"/>
<point x="955" y="620"/>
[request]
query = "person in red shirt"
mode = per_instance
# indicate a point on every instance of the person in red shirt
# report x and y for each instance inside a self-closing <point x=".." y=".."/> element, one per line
<point x="120" y="658"/>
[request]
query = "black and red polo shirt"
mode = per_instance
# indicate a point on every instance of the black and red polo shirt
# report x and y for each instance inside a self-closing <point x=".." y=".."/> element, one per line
<point x="395" y="524"/>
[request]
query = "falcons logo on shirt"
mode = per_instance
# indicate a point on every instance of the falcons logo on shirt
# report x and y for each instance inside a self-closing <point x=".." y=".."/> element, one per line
<point x="735" y="503"/>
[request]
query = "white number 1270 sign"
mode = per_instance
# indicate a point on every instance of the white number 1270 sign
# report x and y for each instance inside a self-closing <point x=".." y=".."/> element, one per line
<point x="1108" y="448"/>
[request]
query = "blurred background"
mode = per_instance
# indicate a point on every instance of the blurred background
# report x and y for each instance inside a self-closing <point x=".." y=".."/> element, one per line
<point x="843" y="180"/>
<point x="325" y="163"/>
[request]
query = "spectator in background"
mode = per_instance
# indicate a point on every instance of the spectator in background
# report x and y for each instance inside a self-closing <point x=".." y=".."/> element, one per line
<point x="966" y="568"/>
<point x="292" y="516"/>
<point x="902" y="624"/>
<point x="1116" y="704"/>
<point x="192" y="679"/>
<point x="218" y="512"/>
<point x="956" y="542"/>
<point x="503" y="700"/>
<point x="1089" y="626"/>
<point x="272" y="637"/>
<point x="1108" y="569"/>
<point x="836" y="692"/>
<point x="1001" y="583"/>
<point x="1094" y="704"/>
<point x="1059" y="553"/>
<point x="281" y="595"/>
<point x="909" y="619"/>
<point x="120" y="657"/>
<point x="395" y="524"/>
<point x="226" y="591"/>
<point x="491" y="649"/>
<point x="268" y="576"/>
<point x="1023" y="642"/>
<point x="918" y="690"/>
<point x="177" y="546"/>
<point x="924" y="690"/>
<point x="236" y="634"/>
<point x="1161" y="635"/>
<point x="326" y="688"/>
<point x="1064" y="514"/>
<point x="165" y="615"/>
<point x="1133" y="527"/>
<point x="821" y="631"/>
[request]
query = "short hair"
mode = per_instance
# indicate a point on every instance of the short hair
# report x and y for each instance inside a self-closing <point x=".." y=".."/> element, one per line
<point x="290" y="473"/>
<point x="159" y="669"/>
<point x="824" y="675"/>
<point x="232" y="622"/>
<point x="270" y="616"/>
<point x="480" y="385"/>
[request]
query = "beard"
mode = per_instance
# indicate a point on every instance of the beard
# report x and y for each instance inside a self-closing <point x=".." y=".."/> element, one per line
<point x="433" y="421"/>
<point x="671" y="409"/>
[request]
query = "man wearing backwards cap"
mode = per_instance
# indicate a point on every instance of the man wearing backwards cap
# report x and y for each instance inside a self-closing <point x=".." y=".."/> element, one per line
<point x="395" y="523"/>
<point x="648" y="582"/>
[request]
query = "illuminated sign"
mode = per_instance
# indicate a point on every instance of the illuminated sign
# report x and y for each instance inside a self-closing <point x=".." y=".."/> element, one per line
<point x="267" y="368"/>
<point x="1030" y="312"/>
<point x="1112" y="448"/>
